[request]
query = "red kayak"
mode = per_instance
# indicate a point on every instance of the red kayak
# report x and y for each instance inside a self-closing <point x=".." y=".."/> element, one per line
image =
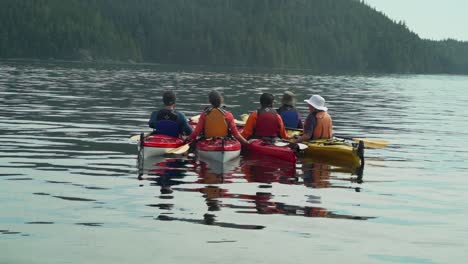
<point x="157" y="145"/>
<point x="269" y="149"/>
<point x="221" y="150"/>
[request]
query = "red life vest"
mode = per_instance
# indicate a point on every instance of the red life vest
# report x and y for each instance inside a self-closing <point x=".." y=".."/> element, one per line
<point x="267" y="123"/>
<point x="324" y="126"/>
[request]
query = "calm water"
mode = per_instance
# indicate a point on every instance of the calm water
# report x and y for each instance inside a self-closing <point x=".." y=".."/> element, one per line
<point x="69" y="190"/>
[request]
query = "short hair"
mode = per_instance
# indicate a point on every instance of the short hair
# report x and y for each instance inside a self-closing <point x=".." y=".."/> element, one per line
<point x="169" y="98"/>
<point x="215" y="98"/>
<point x="266" y="99"/>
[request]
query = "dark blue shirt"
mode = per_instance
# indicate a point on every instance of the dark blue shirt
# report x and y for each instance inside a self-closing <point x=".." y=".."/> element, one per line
<point x="169" y="122"/>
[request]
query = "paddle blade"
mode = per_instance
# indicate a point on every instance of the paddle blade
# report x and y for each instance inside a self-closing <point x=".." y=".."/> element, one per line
<point x="239" y="122"/>
<point x="195" y="119"/>
<point x="281" y="144"/>
<point x="244" y="117"/>
<point x="137" y="137"/>
<point x="302" y="146"/>
<point x="372" y="143"/>
<point x="180" y="150"/>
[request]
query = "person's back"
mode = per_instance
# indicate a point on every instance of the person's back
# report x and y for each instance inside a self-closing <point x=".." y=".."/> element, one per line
<point x="265" y="122"/>
<point x="168" y="121"/>
<point x="215" y="121"/>
<point x="288" y="112"/>
<point x="318" y="124"/>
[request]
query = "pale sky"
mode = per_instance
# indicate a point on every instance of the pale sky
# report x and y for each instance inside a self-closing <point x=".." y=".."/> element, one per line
<point x="430" y="19"/>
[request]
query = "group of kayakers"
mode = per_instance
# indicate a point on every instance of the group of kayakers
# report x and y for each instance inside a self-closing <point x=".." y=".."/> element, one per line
<point x="266" y="122"/>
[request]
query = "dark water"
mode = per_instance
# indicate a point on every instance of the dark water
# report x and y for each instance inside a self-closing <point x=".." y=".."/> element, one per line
<point x="69" y="190"/>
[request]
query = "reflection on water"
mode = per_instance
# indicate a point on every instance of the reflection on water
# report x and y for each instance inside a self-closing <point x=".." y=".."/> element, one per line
<point x="68" y="171"/>
<point x="170" y="173"/>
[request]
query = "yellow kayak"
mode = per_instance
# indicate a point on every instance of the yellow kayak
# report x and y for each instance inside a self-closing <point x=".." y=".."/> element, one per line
<point x="335" y="152"/>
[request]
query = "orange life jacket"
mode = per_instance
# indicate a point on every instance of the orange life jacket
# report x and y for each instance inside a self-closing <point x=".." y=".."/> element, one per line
<point x="324" y="126"/>
<point x="215" y="123"/>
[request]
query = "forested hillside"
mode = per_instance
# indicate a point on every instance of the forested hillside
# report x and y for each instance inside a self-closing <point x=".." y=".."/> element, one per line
<point x="322" y="35"/>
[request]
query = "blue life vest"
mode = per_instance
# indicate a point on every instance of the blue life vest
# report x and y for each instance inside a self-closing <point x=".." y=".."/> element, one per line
<point x="167" y="123"/>
<point x="290" y="116"/>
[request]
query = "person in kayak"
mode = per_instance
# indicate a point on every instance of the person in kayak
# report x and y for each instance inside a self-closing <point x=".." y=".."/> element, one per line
<point x="265" y="122"/>
<point x="215" y="121"/>
<point x="168" y="121"/>
<point x="288" y="112"/>
<point x="318" y="124"/>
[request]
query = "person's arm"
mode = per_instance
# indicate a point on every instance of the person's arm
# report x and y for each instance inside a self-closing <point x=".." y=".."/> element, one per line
<point x="233" y="128"/>
<point x="309" y="126"/>
<point x="283" y="132"/>
<point x="249" y="125"/>
<point x="152" y="120"/>
<point x="198" y="129"/>
<point x="184" y="126"/>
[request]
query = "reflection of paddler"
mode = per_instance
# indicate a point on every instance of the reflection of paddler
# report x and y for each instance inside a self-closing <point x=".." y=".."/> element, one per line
<point x="214" y="192"/>
<point x="315" y="212"/>
<point x="316" y="175"/>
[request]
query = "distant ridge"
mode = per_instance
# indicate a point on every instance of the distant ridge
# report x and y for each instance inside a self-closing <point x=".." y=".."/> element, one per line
<point x="339" y="36"/>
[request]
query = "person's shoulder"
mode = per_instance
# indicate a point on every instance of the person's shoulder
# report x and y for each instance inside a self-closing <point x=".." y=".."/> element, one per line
<point x="180" y="114"/>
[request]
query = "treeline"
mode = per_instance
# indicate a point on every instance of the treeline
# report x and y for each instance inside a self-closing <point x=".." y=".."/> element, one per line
<point x="320" y="35"/>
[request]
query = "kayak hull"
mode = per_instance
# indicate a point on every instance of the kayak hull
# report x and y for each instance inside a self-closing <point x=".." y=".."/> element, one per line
<point x="220" y="150"/>
<point x="335" y="152"/>
<point x="158" y="145"/>
<point x="264" y="148"/>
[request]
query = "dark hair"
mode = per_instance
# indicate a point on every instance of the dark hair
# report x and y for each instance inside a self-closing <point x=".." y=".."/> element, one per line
<point x="266" y="99"/>
<point x="215" y="98"/>
<point x="169" y="98"/>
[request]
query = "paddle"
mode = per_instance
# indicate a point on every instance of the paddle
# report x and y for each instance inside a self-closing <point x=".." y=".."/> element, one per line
<point x="368" y="143"/>
<point x="195" y="118"/>
<point x="284" y="144"/>
<point x="179" y="150"/>
<point x="137" y="137"/>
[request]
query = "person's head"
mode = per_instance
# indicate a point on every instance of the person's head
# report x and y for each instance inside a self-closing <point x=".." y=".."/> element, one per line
<point x="169" y="98"/>
<point x="289" y="98"/>
<point x="266" y="100"/>
<point x="316" y="102"/>
<point x="215" y="99"/>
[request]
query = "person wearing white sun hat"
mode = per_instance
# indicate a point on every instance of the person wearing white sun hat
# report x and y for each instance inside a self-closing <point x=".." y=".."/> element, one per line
<point x="318" y="124"/>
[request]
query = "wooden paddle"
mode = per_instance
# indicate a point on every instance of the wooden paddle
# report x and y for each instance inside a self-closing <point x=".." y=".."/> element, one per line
<point x="179" y="150"/>
<point x="285" y="143"/>
<point x="195" y="118"/>
<point x="137" y="137"/>
<point x="368" y="143"/>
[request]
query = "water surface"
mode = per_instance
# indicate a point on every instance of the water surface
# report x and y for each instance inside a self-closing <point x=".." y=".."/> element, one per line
<point x="69" y="189"/>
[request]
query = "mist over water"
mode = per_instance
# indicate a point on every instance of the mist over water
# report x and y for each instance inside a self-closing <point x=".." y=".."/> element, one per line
<point x="69" y="189"/>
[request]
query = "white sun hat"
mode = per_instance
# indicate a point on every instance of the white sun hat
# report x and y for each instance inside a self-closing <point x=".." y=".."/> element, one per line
<point x="317" y="102"/>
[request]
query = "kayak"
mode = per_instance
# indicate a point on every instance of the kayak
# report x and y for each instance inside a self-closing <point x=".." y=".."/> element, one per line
<point x="157" y="145"/>
<point x="221" y="150"/>
<point x="268" y="148"/>
<point x="338" y="152"/>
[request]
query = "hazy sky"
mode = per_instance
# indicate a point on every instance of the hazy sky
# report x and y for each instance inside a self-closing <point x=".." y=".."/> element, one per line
<point x="432" y="19"/>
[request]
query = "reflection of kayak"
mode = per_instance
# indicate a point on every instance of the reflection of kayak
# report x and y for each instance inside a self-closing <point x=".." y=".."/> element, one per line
<point x="157" y="145"/>
<point x="208" y="166"/>
<point x="335" y="152"/>
<point x="221" y="150"/>
<point x="258" y="168"/>
<point x="269" y="149"/>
